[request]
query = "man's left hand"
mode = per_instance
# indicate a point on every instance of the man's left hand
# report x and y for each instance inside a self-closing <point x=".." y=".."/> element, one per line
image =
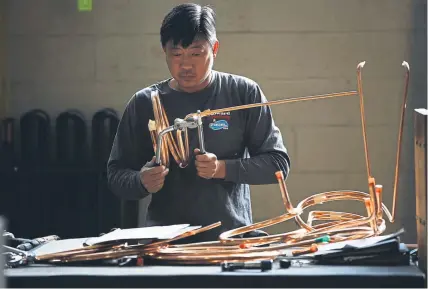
<point x="208" y="166"/>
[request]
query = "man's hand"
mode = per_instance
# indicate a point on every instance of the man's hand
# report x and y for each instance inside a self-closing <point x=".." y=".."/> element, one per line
<point x="153" y="178"/>
<point x="208" y="166"/>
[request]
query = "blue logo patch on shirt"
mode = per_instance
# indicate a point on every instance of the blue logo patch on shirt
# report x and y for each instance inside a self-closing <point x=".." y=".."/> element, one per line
<point x="219" y="124"/>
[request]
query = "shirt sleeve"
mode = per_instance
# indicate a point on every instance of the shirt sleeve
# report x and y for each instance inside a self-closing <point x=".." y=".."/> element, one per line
<point x="128" y="155"/>
<point x="266" y="149"/>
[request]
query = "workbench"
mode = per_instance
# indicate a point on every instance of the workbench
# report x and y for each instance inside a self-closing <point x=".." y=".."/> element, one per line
<point x="309" y="276"/>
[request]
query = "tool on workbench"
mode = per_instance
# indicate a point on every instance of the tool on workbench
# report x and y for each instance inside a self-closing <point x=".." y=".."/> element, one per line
<point x="15" y="257"/>
<point x="284" y="263"/>
<point x="28" y="244"/>
<point x="264" y="265"/>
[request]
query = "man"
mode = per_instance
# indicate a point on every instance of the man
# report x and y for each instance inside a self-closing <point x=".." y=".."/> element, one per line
<point x="243" y="147"/>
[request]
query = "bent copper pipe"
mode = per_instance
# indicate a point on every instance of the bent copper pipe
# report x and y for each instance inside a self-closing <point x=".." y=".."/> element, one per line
<point x="209" y="112"/>
<point x="175" y="145"/>
<point x="342" y="225"/>
<point x="399" y="141"/>
<point x="180" y="152"/>
<point x="339" y="226"/>
<point x="363" y="117"/>
<point x="159" y="143"/>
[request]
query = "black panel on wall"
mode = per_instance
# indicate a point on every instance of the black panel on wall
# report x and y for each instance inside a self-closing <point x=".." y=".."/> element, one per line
<point x="71" y="139"/>
<point x="104" y="126"/>
<point x="35" y="129"/>
<point x="55" y="184"/>
<point x="8" y="163"/>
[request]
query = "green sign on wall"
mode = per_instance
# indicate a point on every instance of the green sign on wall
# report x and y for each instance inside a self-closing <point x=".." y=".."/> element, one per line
<point x="84" y="5"/>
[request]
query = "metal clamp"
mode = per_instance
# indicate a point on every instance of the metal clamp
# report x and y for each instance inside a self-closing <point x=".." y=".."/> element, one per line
<point x="182" y="124"/>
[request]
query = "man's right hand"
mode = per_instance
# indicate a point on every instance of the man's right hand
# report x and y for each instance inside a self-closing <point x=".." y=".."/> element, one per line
<point x="153" y="177"/>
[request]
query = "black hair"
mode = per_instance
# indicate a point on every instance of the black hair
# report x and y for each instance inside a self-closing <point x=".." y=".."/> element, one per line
<point x="188" y="22"/>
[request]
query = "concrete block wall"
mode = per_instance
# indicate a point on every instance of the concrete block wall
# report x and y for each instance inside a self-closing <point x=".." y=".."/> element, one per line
<point x="59" y="58"/>
<point x="3" y="55"/>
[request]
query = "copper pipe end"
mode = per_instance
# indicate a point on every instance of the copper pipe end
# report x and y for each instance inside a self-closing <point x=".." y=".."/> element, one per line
<point x="406" y="65"/>
<point x="312" y="249"/>
<point x="378" y="192"/>
<point x="361" y="64"/>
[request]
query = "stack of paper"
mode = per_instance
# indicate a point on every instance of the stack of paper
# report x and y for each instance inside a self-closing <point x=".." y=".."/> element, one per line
<point x="145" y="233"/>
<point x="143" y="236"/>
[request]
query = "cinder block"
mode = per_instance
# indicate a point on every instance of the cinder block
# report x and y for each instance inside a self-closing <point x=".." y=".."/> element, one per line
<point x="53" y="98"/>
<point x="324" y="15"/>
<point x="313" y="55"/>
<point x="341" y="149"/>
<point x="115" y="94"/>
<point x="130" y="58"/>
<point x="48" y="17"/>
<point x="382" y="101"/>
<point x="382" y="142"/>
<point x="144" y="16"/>
<point x="281" y="87"/>
<point x="131" y="16"/>
<point x="51" y="58"/>
<point x="329" y="149"/>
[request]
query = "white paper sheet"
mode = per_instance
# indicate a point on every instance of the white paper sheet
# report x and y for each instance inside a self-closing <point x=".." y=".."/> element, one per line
<point x="154" y="232"/>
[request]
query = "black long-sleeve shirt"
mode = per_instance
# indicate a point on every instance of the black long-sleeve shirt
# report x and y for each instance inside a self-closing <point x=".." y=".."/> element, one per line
<point x="247" y="140"/>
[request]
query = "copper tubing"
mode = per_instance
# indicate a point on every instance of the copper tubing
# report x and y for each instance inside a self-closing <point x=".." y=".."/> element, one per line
<point x="170" y="144"/>
<point x="399" y="142"/>
<point x="312" y="249"/>
<point x="229" y="248"/>
<point x="175" y="145"/>
<point x="339" y="226"/>
<point x="342" y="225"/>
<point x="86" y="250"/>
<point x="373" y="204"/>
<point x="363" y="117"/>
<point x="369" y="209"/>
<point x="378" y="192"/>
<point x="152" y="130"/>
<point x="284" y="192"/>
<point x="273" y="102"/>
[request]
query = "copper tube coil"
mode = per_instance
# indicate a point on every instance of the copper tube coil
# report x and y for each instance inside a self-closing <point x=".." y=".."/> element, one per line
<point x="210" y="255"/>
<point x="342" y="226"/>
<point x="217" y="252"/>
<point x="215" y="255"/>
<point x="171" y="144"/>
<point x="339" y="226"/>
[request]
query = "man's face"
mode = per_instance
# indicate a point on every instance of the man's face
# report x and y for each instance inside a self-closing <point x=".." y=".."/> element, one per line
<point x="191" y="66"/>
